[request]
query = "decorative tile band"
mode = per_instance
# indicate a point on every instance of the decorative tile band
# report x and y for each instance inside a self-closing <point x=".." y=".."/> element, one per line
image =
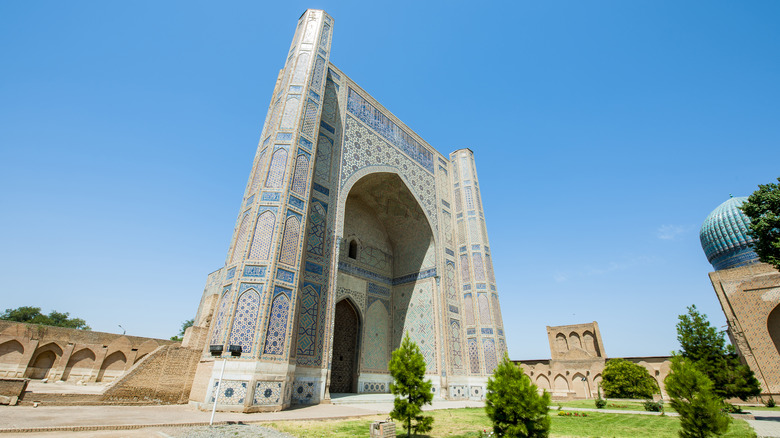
<point x="327" y="127"/>
<point x="393" y="133"/>
<point x="313" y="268"/>
<point x="378" y="290"/>
<point x="254" y="271"/>
<point x="270" y="196"/>
<point x="285" y="275"/>
<point x="322" y="189"/>
<point x="415" y="277"/>
<point x="256" y="286"/>
<point x="449" y="251"/>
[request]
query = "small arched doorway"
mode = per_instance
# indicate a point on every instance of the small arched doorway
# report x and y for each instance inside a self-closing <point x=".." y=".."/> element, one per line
<point x="343" y="375"/>
<point x="773" y="327"/>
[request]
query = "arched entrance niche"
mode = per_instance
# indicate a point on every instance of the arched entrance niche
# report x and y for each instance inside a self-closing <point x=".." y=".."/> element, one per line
<point x="345" y="348"/>
<point x="44" y="360"/>
<point x="386" y="266"/>
<point x="773" y="326"/>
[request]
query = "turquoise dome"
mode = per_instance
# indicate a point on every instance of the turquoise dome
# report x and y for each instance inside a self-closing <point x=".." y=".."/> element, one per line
<point x="724" y="237"/>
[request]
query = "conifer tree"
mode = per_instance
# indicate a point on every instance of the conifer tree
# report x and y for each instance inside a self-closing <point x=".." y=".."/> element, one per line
<point x="693" y="398"/>
<point x="514" y="405"/>
<point x="412" y="391"/>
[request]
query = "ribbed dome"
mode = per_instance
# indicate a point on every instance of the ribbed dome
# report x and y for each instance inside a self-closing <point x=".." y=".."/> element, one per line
<point x="724" y="236"/>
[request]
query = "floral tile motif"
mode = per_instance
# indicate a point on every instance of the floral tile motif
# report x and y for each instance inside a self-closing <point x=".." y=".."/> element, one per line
<point x="305" y="392"/>
<point x="268" y="393"/>
<point x="231" y="392"/>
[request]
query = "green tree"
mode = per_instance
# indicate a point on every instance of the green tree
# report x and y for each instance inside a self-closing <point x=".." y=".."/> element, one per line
<point x="184" y="326"/>
<point x="514" y="405"/>
<point x="763" y="209"/>
<point x="624" y="379"/>
<point x="33" y="315"/>
<point x="706" y="347"/>
<point x="692" y="395"/>
<point x="412" y="391"/>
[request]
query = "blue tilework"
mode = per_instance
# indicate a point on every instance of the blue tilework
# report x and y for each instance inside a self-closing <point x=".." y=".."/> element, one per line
<point x="254" y="271"/>
<point x="271" y="196"/>
<point x="322" y="189"/>
<point x="285" y="275"/>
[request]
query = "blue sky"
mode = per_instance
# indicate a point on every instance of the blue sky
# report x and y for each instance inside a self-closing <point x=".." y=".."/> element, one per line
<point x="604" y="134"/>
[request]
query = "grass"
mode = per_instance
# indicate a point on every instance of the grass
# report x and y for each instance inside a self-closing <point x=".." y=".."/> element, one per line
<point x="468" y="422"/>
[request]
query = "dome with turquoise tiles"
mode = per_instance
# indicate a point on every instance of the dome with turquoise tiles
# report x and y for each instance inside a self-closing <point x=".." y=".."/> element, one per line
<point x="724" y="236"/>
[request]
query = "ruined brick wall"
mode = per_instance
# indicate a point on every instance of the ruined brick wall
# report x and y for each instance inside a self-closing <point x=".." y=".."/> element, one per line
<point x="164" y="376"/>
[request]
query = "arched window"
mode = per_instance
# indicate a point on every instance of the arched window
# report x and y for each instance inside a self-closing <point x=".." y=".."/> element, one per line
<point x="353" y="249"/>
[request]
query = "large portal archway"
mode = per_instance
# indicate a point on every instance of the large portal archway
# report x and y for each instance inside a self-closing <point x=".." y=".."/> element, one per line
<point x="773" y="327"/>
<point x="345" y="347"/>
<point x="387" y="264"/>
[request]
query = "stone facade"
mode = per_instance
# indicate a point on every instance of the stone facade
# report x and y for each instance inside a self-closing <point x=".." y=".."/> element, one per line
<point x="578" y="360"/>
<point x="352" y="232"/>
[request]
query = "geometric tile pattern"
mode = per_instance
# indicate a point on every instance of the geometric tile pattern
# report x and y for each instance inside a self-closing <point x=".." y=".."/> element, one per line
<point x="292" y="230"/>
<point x="374" y="387"/>
<point x="277" y="325"/>
<point x="322" y="164"/>
<point x="305" y="392"/>
<point x="301" y="175"/>
<point x="469" y="199"/>
<point x="222" y="314"/>
<point x="490" y="354"/>
<point x="310" y="118"/>
<point x="417" y="319"/>
<point x="388" y="129"/>
<point x="497" y="312"/>
<point x="238" y="250"/>
<point x="264" y="232"/>
<point x="363" y="148"/>
<point x="484" y="309"/>
<point x="268" y="393"/>
<point x="468" y="309"/>
<point x="231" y="392"/>
<point x="489" y="265"/>
<point x="277" y="169"/>
<point x="317" y="225"/>
<point x="307" y="324"/>
<point x="464" y="268"/>
<point x="290" y="112"/>
<point x="455" y="348"/>
<point x="474" y="230"/>
<point x="479" y="270"/>
<point x="258" y="171"/>
<point x="458" y="204"/>
<point x="474" y="356"/>
<point x="245" y="321"/>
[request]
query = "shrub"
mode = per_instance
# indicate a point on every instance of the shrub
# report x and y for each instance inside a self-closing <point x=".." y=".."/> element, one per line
<point x="624" y="379"/>
<point x="652" y="406"/>
<point x="693" y="398"/>
<point x="600" y="402"/>
<point x="514" y="405"/>
<point x="770" y="403"/>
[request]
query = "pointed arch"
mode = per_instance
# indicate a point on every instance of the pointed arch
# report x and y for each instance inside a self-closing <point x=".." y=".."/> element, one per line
<point x="484" y="309"/>
<point x="223" y="316"/>
<point x="292" y="231"/>
<point x="773" y="327"/>
<point x="561" y="343"/>
<point x="277" y="325"/>
<point x="542" y="382"/>
<point x="479" y="267"/>
<point x="468" y="309"/>
<point x="113" y="367"/>
<point x="263" y="235"/>
<point x="258" y="171"/>
<point x="241" y="238"/>
<point x="277" y="169"/>
<point x="245" y="320"/>
<point x="574" y="340"/>
<point x="301" y="175"/>
<point x="80" y="365"/>
<point x="11" y="353"/>
<point x="377" y="341"/>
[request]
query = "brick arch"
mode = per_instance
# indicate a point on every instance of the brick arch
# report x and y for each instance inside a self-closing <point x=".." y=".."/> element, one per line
<point x="561" y="343"/>
<point x="80" y="365"/>
<point x="44" y="359"/>
<point x="543" y="383"/>
<point x="581" y="388"/>
<point x="561" y="385"/>
<point x="773" y="327"/>
<point x="11" y="353"/>
<point x="113" y="366"/>
<point x="574" y="340"/>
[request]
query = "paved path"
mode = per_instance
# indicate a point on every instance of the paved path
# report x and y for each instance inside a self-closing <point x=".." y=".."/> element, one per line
<point x="766" y="424"/>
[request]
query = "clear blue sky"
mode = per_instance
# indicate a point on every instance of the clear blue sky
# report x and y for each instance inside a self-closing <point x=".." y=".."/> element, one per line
<point x="604" y="133"/>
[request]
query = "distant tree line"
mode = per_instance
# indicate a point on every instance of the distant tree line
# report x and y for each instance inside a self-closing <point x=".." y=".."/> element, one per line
<point x="33" y="315"/>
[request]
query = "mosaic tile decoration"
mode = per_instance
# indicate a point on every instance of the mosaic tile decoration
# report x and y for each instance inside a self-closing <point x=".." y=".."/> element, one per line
<point x="465" y="277"/>
<point x="319" y="73"/>
<point x="364" y="149"/>
<point x="497" y="312"/>
<point x="489" y="266"/>
<point x="301" y="175"/>
<point x="456" y="353"/>
<point x="473" y="356"/>
<point x="459" y="392"/>
<point x="479" y="267"/>
<point x="322" y="162"/>
<point x="276" y="171"/>
<point x="413" y="313"/>
<point x="447" y="221"/>
<point x="358" y="297"/>
<point x="468" y="308"/>
<point x="317" y="227"/>
<point x="393" y="133"/>
<point x="469" y="198"/>
<point x="304" y="143"/>
<point x="377" y="339"/>
<point x="285" y="275"/>
<point x="277" y="325"/>
<point x="245" y="321"/>
<point x="474" y="230"/>
<point x="476" y="392"/>
<point x="374" y="387"/>
<point x="313" y="268"/>
<point x="299" y="75"/>
<point x="484" y="309"/>
<point x="490" y="355"/>
<point x="458" y="202"/>
<point x="310" y="118"/>
<point x="271" y="196"/>
<point x="231" y="273"/>
<point x="254" y="271"/>
<point x="256" y="174"/>
<point x="449" y="283"/>
<point x="289" y="251"/>
<point x="322" y="189"/>
<point x="378" y="290"/>
<point x="225" y="304"/>
<point x="264" y="232"/>
<point x="307" y="323"/>
<point x="231" y="392"/>
<point x="240" y="245"/>
<point x="305" y="392"/>
<point x="268" y="393"/>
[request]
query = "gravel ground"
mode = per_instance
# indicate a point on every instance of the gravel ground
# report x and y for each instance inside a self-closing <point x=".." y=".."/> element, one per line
<point x="233" y="431"/>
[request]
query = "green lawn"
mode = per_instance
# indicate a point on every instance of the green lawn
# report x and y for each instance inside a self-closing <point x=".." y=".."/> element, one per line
<point x="469" y="422"/>
<point x="617" y="405"/>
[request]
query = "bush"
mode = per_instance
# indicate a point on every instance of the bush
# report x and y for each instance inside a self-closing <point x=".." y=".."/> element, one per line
<point x="770" y="403"/>
<point x="514" y="405"/>
<point x="728" y="408"/>
<point x="600" y="402"/>
<point x="652" y="406"/>
<point x="624" y="379"/>
<point x="693" y="398"/>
